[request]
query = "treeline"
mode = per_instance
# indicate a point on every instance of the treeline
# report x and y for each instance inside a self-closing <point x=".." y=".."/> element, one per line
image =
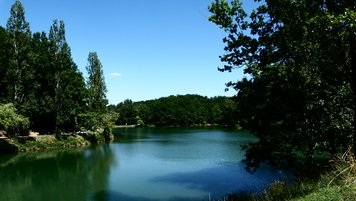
<point x="39" y="77"/>
<point x="180" y="110"/>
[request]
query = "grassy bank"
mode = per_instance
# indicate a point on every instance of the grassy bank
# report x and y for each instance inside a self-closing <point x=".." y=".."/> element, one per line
<point x="47" y="142"/>
<point x="339" y="184"/>
<point x="50" y="142"/>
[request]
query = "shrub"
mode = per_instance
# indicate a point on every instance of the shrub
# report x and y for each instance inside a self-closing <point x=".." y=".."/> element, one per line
<point x="12" y="122"/>
<point x="92" y="121"/>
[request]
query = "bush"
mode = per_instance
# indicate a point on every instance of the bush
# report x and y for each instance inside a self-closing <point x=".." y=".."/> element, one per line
<point x="92" y="121"/>
<point x="12" y="122"/>
<point x="94" y="137"/>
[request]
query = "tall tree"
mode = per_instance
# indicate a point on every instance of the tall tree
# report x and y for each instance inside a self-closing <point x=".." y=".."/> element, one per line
<point x="42" y="112"/>
<point x="68" y="85"/>
<point x="96" y="84"/>
<point x="19" y="73"/>
<point x="4" y="63"/>
<point x="298" y="100"/>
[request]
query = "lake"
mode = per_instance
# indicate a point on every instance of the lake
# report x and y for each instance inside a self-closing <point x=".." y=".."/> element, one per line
<point x="142" y="164"/>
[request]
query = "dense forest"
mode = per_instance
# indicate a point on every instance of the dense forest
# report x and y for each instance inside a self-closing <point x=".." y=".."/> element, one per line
<point x="180" y="110"/>
<point x="41" y="87"/>
<point x="300" y="93"/>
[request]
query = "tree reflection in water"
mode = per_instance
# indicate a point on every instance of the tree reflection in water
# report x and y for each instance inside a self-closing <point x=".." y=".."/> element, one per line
<point x="75" y="174"/>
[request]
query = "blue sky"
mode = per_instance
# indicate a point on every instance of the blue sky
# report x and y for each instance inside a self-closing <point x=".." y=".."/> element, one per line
<point x="149" y="48"/>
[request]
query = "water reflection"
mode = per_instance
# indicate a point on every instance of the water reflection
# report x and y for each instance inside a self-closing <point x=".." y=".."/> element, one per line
<point x="225" y="178"/>
<point x="142" y="165"/>
<point x="63" y="175"/>
<point x="183" y="164"/>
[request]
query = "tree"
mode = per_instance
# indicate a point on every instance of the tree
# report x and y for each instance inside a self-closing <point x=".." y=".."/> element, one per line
<point x="39" y="76"/>
<point x="126" y="112"/>
<point x="68" y="86"/>
<point x="4" y="63"/>
<point x="298" y="99"/>
<point x="19" y="73"/>
<point x="60" y="62"/>
<point x="96" y="84"/>
<point x="72" y="100"/>
<point x="41" y="111"/>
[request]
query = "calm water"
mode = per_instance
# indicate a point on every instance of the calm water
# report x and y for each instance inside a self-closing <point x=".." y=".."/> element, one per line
<point x="142" y="164"/>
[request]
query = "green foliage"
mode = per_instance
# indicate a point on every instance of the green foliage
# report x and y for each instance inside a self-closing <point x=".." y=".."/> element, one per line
<point x="181" y="110"/>
<point x="96" y="84"/>
<point x="38" y="75"/>
<point x="95" y="137"/>
<point x="47" y="142"/>
<point x="67" y="84"/>
<point x="40" y="109"/>
<point x="90" y="120"/>
<point x="109" y="119"/>
<point x="17" y="23"/>
<point x="12" y="122"/>
<point x="4" y="62"/>
<point x="18" y="73"/>
<point x="94" y="121"/>
<point x="298" y="97"/>
<point x="72" y="100"/>
<point x="126" y="113"/>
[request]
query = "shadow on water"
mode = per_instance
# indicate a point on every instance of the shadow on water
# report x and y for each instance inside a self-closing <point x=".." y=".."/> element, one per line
<point x="228" y="178"/>
<point x="63" y="175"/>
<point x="115" y="196"/>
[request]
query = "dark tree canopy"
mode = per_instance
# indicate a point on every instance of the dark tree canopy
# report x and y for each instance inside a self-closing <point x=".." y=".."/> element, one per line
<point x="298" y="98"/>
<point x="4" y="63"/>
<point x="39" y="76"/>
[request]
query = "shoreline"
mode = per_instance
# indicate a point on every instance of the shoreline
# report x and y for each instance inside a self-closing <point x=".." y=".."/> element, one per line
<point x="175" y="126"/>
<point x="22" y="144"/>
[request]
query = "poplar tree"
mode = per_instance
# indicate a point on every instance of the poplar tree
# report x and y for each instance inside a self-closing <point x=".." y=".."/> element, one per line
<point x="96" y="84"/>
<point x="68" y="84"/>
<point x="19" y="73"/>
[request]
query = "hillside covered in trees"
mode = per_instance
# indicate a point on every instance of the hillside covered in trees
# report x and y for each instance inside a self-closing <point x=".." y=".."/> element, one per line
<point x="41" y="85"/>
<point x="180" y="110"/>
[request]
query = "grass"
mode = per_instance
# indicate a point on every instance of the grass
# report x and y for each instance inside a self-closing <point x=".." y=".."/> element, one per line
<point x="339" y="184"/>
<point x="50" y="142"/>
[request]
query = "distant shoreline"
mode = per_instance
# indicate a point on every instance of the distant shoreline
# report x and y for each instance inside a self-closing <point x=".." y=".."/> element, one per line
<point x="178" y="126"/>
<point x="124" y="126"/>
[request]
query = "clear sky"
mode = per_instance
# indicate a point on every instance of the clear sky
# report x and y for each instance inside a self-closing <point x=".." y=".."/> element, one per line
<point x="149" y="48"/>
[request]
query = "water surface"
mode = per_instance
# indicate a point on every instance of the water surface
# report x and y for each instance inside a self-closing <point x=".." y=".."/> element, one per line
<point x="142" y="164"/>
